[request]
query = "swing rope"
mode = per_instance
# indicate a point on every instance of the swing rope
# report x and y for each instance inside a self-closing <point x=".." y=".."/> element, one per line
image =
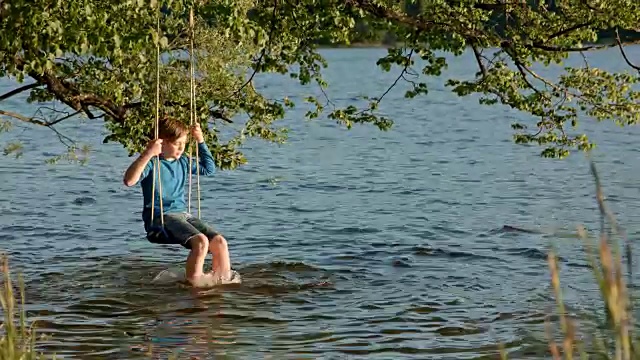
<point x="157" y="123"/>
<point x="192" y="114"/>
<point x="157" y="129"/>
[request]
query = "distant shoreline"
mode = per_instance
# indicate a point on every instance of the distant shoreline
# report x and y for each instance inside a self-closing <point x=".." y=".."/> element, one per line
<point x="372" y="45"/>
<point x="382" y="45"/>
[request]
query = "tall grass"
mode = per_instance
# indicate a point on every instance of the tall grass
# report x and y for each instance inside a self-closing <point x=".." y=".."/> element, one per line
<point x="614" y="339"/>
<point x="18" y="339"/>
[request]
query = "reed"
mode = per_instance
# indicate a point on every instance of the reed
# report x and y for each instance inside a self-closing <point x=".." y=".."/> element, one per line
<point x="614" y="339"/>
<point x="18" y="338"/>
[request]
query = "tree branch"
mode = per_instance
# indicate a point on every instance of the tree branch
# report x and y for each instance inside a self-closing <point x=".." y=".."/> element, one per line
<point x="568" y="30"/>
<point x="65" y="140"/>
<point x="521" y="67"/>
<point x="19" y="90"/>
<point x="71" y="96"/>
<point x="264" y="50"/>
<point x="68" y="94"/>
<point x="90" y="114"/>
<point x="478" y="56"/>
<point x="219" y="114"/>
<point x="63" y="118"/>
<point x="404" y="70"/>
<point x="34" y="120"/>
<point x="541" y="46"/>
<point x="624" y="54"/>
<point x="23" y="118"/>
<point x="419" y="23"/>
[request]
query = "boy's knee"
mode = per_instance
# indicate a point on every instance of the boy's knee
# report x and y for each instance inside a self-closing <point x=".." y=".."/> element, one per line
<point x="218" y="240"/>
<point x="199" y="243"/>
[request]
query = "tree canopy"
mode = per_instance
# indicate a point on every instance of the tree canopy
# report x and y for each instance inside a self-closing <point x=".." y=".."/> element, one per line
<point x="98" y="58"/>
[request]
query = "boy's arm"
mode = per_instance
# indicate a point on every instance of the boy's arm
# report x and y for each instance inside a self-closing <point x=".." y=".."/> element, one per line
<point x="140" y="168"/>
<point x="207" y="164"/>
<point x="142" y="165"/>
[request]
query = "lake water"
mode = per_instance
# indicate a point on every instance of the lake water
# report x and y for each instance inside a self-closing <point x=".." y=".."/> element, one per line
<point x="360" y="243"/>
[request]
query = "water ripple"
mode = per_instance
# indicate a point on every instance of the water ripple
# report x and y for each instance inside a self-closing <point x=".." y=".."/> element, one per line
<point x="428" y="241"/>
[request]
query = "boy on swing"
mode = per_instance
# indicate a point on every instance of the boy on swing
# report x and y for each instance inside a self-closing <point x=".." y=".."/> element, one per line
<point x="181" y="227"/>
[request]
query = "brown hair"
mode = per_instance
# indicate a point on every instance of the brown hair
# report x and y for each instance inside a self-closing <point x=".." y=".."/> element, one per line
<point x="171" y="129"/>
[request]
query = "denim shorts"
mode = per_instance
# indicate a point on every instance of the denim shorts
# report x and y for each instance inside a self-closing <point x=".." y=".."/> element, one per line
<point x="181" y="227"/>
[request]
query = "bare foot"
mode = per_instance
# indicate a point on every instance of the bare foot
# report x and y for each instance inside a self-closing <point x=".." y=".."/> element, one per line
<point x="205" y="280"/>
<point x="194" y="280"/>
<point x="211" y="279"/>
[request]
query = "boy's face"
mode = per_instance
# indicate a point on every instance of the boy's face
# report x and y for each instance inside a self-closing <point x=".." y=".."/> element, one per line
<point x="174" y="149"/>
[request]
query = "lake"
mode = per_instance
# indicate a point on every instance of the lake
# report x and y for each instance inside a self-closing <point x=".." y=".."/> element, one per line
<point x="350" y="243"/>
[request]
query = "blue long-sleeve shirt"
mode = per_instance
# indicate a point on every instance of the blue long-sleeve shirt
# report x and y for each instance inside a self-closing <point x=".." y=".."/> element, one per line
<point x="174" y="176"/>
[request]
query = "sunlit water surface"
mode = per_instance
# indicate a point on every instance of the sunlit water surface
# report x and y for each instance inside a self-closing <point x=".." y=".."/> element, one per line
<point x="350" y="243"/>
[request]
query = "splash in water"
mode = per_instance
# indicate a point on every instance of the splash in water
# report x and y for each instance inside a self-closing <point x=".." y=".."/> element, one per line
<point x="211" y="279"/>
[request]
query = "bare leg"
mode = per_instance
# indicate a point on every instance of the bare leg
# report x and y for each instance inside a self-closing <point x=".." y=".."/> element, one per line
<point x="197" y="255"/>
<point x="220" y="256"/>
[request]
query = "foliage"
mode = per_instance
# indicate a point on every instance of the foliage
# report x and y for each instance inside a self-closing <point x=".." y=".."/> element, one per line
<point x="99" y="59"/>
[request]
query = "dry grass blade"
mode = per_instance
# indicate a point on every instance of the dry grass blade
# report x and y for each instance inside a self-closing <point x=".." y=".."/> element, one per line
<point x="565" y="322"/>
<point x="607" y="265"/>
<point x="608" y="271"/>
<point x="617" y="297"/>
<point x="553" y="347"/>
<point x="17" y="342"/>
<point x="503" y="351"/>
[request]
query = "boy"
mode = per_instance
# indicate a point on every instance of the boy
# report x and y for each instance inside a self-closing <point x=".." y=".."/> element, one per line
<point x="181" y="228"/>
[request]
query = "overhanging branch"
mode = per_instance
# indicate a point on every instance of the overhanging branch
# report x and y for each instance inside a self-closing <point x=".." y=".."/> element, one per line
<point x="65" y="140"/>
<point x="478" y="55"/>
<point x="382" y="12"/>
<point x="422" y="24"/>
<point x="68" y="94"/>
<point x="23" y="118"/>
<point x="405" y="68"/>
<point x="63" y="118"/>
<point x="19" y="90"/>
<point x="35" y="121"/>
<point x="624" y="54"/>
<point x="540" y="46"/>
<point x="569" y="30"/>
<point x="264" y="50"/>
